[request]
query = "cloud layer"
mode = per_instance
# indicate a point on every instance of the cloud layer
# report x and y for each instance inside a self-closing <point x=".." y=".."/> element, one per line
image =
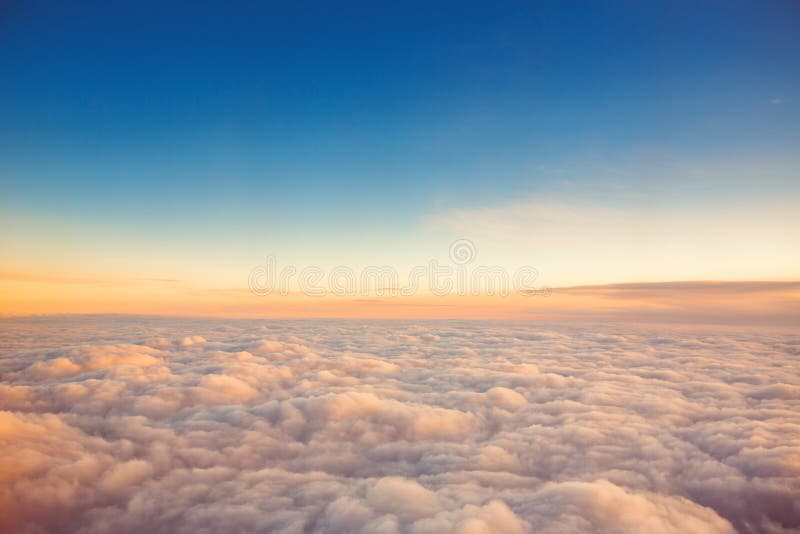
<point x="132" y="425"/>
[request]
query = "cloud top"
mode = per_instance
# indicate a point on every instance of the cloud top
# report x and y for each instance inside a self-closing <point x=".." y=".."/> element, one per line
<point x="337" y="426"/>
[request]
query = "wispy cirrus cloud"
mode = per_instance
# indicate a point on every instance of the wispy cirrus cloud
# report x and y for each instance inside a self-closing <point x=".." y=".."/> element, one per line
<point x="576" y="241"/>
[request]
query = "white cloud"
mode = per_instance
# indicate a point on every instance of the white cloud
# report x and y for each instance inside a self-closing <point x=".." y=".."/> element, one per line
<point x="337" y="426"/>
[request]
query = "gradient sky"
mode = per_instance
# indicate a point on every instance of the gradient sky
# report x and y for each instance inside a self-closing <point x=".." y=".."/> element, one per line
<point x="602" y="142"/>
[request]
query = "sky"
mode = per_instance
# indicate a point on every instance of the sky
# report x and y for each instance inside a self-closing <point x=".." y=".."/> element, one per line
<point x="152" y="155"/>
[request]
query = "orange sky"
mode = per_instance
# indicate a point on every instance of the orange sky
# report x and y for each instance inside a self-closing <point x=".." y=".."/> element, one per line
<point x="776" y="303"/>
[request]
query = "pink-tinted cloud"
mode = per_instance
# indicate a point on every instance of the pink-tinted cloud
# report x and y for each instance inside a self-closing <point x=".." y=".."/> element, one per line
<point x="130" y="425"/>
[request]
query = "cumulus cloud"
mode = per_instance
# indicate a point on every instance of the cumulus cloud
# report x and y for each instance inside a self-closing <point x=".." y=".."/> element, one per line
<point x="337" y="426"/>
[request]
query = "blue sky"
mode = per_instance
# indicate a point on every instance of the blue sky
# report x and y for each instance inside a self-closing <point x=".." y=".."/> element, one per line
<point x="262" y="126"/>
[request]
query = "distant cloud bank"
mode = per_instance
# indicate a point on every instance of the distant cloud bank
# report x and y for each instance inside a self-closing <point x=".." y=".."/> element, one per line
<point x="144" y="425"/>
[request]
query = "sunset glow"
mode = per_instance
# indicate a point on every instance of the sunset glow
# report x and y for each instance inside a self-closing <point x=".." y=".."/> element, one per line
<point x="468" y="268"/>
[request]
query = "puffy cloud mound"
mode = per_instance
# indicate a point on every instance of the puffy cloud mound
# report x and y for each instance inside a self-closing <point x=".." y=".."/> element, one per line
<point x="146" y="425"/>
